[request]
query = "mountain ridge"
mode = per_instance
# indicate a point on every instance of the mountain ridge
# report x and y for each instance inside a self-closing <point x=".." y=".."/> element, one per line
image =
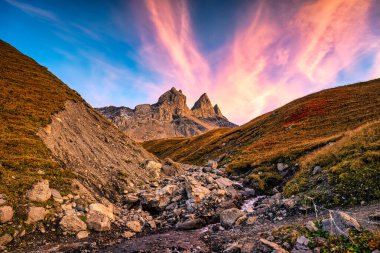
<point x="169" y="117"/>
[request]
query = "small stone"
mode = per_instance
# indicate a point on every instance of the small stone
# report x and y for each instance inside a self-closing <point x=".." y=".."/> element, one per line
<point x="212" y="164"/>
<point x="303" y="240"/>
<point x="311" y="226"/>
<point x="5" y="239"/>
<point x="228" y="217"/>
<point x="6" y="214"/>
<point x="152" y="224"/>
<point x="190" y="224"/>
<point x="134" y="226"/>
<point x="316" y="170"/>
<point x="251" y="220"/>
<point x="82" y="235"/>
<point x="128" y="234"/>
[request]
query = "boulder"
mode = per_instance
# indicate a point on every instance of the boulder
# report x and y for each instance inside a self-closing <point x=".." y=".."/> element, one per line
<point x="40" y="192"/>
<point x="223" y="182"/>
<point x="154" y="168"/>
<point x="72" y="224"/>
<point x="134" y="226"/>
<point x="340" y="223"/>
<point x="5" y="239"/>
<point x="98" y="221"/>
<point x="107" y="211"/>
<point x="36" y="214"/>
<point x="190" y="224"/>
<point x="228" y="217"/>
<point x="6" y="214"/>
<point x="195" y="191"/>
<point x="82" y="235"/>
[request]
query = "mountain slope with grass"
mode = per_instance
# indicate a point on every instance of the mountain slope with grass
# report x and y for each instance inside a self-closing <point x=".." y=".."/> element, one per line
<point x="284" y="135"/>
<point x="52" y="141"/>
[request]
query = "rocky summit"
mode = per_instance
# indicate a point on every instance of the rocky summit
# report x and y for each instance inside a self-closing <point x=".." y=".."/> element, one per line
<point x="169" y="117"/>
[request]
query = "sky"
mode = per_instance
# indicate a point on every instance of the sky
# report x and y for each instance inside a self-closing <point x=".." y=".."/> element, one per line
<point x="249" y="56"/>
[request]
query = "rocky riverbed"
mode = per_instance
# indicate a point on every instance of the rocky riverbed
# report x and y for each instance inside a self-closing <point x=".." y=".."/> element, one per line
<point x="199" y="209"/>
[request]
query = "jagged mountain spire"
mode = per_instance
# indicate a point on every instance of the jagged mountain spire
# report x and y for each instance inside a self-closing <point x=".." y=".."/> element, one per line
<point x="203" y="107"/>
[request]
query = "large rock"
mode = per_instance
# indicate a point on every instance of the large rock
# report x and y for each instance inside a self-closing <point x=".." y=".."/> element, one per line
<point x="98" y="221"/>
<point x="36" y="214"/>
<point x="154" y="168"/>
<point x="340" y="223"/>
<point x="72" y="224"/>
<point x="40" y="192"/>
<point x="6" y="214"/>
<point x="5" y="239"/>
<point x="134" y="226"/>
<point x="107" y="211"/>
<point x="195" y="191"/>
<point x="228" y="217"/>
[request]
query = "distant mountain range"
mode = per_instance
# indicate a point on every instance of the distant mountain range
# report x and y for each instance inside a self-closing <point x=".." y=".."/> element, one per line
<point x="169" y="117"/>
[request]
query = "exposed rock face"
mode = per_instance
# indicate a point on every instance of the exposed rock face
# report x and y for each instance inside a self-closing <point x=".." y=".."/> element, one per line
<point x="104" y="159"/>
<point x="169" y="117"/>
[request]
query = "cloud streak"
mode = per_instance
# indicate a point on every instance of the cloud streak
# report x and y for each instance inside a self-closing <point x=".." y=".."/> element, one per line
<point x="279" y="52"/>
<point x="32" y="10"/>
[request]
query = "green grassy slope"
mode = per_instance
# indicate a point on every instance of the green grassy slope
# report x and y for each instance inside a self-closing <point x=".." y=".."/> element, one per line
<point x="29" y="95"/>
<point x="349" y="170"/>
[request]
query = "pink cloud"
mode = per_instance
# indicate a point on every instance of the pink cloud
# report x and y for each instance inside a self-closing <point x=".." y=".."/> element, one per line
<point x="267" y="62"/>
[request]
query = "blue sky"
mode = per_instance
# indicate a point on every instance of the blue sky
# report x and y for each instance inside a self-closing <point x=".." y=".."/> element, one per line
<point x="249" y="56"/>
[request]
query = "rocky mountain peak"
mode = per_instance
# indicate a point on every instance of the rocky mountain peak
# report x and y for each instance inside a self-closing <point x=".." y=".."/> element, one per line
<point x="172" y="102"/>
<point x="203" y="107"/>
<point x="217" y="111"/>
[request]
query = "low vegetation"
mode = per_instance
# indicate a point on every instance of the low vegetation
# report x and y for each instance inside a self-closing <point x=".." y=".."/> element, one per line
<point x="346" y="172"/>
<point x="29" y="95"/>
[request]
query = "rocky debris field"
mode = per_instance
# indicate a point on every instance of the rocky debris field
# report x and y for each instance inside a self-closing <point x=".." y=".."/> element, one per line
<point x="196" y="209"/>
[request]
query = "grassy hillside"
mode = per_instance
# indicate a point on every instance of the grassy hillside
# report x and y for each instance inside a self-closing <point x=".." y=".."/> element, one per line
<point x="29" y="95"/>
<point x="349" y="170"/>
<point x="283" y="135"/>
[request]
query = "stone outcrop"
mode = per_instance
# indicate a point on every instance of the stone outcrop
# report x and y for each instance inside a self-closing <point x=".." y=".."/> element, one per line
<point x="169" y="117"/>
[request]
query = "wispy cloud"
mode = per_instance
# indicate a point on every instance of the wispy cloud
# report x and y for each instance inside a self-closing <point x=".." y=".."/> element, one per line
<point x="33" y="10"/>
<point x="275" y="55"/>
